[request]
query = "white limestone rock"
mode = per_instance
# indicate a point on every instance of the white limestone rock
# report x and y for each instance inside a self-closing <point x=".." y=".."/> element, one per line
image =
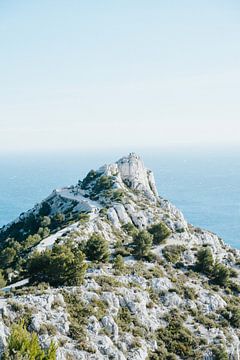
<point x="135" y="175"/>
<point x="210" y="302"/>
<point x="110" y="326"/>
<point x="4" y="333"/>
<point x="160" y="285"/>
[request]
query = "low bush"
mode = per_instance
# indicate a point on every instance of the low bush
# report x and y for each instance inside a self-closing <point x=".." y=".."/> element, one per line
<point x="2" y="280"/>
<point x="130" y="229"/>
<point x="23" y="345"/>
<point x="119" y="265"/>
<point x="177" y="339"/>
<point x="160" y="232"/>
<point x="220" y="353"/>
<point x="232" y="314"/>
<point x="172" y="253"/>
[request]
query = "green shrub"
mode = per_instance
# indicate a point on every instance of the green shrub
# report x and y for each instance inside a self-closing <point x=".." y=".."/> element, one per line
<point x="79" y="313"/>
<point x="205" y="260"/>
<point x="63" y="265"/>
<point x="97" y="248"/>
<point x="190" y="293"/>
<point x="7" y="256"/>
<point x="220" y="274"/>
<point x="235" y="287"/>
<point x="142" y="244"/>
<point x="31" y="240"/>
<point x="23" y="345"/>
<point x="177" y="339"/>
<point x="121" y="249"/>
<point x="220" y="353"/>
<point x="2" y="280"/>
<point x="46" y="221"/>
<point x="160" y="232"/>
<point x="103" y="183"/>
<point x="107" y="283"/>
<point x="232" y="314"/>
<point x="83" y="218"/>
<point x="92" y="175"/>
<point x="172" y="253"/>
<point x="130" y="229"/>
<point x="117" y="195"/>
<point x="43" y="232"/>
<point x="59" y="218"/>
<point x="125" y="320"/>
<point x="119" y="264"/>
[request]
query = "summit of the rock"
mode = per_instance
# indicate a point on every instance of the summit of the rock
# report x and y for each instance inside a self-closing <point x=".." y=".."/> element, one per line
<point x="134" y="173"/>
<point x="131" y="171"/>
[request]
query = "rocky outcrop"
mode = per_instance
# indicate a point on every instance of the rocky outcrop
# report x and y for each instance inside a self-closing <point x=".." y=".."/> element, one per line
<point x="134" y="174"/>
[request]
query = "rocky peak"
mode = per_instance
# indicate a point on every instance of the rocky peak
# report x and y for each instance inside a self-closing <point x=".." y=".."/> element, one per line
<point x="131" y="171"/>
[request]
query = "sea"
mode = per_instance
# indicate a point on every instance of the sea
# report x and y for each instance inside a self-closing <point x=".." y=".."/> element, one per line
<point x="203" y="184"/>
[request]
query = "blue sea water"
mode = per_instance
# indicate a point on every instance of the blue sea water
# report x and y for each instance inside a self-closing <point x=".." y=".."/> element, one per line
<point x="205" y="185"/>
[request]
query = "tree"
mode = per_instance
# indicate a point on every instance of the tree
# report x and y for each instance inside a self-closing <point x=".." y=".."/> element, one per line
<point x="97" y="248"/>
<point x="205" y="260"/>
<point x="103" y="183"/>
<point x="45" y="209"/>
<point x="46" y="221"/>
<point x="43" y="232"/>
<point x="76" y="271"/>
<point x="59" y="218"/>
<point x="32" y="240"/>
<point x="221" y="274"/>
<point x="62" y="265"/>
<point x="160" y="232"/>
<point x="92" y="175"/>
<point x="142" y="244"/>
<point x="23" y="345"/>
<point x="7" y="256"/>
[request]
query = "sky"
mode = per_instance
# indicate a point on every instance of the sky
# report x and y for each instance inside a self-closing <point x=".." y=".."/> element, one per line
<point x="103" y="74"/>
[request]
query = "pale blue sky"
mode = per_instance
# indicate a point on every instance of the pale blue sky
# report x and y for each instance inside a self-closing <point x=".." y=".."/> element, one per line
<point x="97" y="74"/>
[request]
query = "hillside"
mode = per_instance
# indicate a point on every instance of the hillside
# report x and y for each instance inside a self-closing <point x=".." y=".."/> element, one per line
<point x="108" y="269"/>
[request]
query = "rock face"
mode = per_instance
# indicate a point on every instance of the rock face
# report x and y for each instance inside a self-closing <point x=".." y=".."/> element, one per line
<point x="135" y="175"/>
<point x="126" y="314"/>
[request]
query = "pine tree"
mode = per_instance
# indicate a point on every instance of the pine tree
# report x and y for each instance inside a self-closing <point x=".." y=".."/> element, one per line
<point x="221" y="274"/>
<point x="76" y="271"/>
<point x="160" y="232"/>
<point x="205" y="260"/>
<point x="97" y="248"/>
<point x="142" y="244"/>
